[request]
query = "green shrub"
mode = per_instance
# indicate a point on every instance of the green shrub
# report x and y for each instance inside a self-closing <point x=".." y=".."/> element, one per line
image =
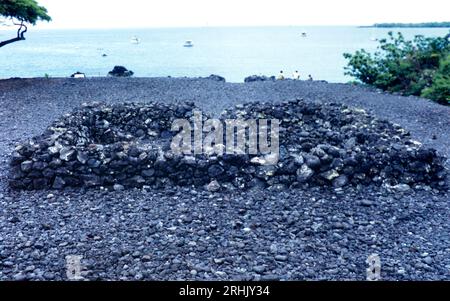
<point x="419" y="67"/>
<point x="440" y="87"/>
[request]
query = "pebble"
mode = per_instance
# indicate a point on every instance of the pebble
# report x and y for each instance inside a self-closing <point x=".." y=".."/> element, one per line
<point x="259" y="269"/>
<point x="281" y="258"/>
<point x="428" y="260"/>
<point x="49" y="275"/>
<point x="220" y="274"/>
<point x="118" y="187"/>
<point x="214" y="186"/>
<point x="19" y="277"/>
<point x="401" y="187"/>
<point x="366" y="203"/>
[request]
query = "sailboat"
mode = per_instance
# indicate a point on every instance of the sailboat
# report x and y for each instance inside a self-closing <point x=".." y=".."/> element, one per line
<point x="135" y="40"/>
<point x="188" y="43"/>
<point x="372" y="37"/>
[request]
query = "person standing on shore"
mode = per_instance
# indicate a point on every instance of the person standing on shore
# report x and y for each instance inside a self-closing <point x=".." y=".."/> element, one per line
<point x="296" y="75"/>
<point x="281" y="75"/>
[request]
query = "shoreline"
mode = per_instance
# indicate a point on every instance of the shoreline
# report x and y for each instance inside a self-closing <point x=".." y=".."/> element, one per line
<point x="166" y="77"/>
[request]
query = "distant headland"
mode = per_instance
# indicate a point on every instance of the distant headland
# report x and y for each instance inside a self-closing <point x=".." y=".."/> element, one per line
<point x="411" y="25"/>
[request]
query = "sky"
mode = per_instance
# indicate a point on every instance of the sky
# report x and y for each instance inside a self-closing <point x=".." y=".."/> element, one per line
<point x="193" y="13"/>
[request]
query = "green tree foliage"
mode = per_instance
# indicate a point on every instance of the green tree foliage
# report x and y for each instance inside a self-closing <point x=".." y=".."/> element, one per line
<point x="22" y="12"/>
<point x="412" y="67"/>
<point x="440" y="88"/>
<point x="413" y="25"/>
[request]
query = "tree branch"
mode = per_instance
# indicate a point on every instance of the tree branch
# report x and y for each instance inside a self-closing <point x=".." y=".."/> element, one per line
<point x="23" y="31"/>
<point x="20" y="34"/>
<point x="4" y="43"/>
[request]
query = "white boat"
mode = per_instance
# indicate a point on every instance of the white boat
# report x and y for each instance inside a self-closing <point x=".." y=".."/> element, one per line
<point x="304" y="34"/>
<point x="135" y="40"/>
<point x="188" y="43"/>
<point x="373" y="38"/>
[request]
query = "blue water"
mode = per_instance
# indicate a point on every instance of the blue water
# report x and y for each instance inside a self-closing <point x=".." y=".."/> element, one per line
<point x="231" y="52"/>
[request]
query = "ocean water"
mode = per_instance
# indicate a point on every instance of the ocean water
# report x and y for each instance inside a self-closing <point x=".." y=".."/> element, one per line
<point x="230" y="52"/>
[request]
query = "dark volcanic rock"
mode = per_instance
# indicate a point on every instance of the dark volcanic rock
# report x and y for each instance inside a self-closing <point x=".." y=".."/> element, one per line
<point x="304" y="173"/>
<point x="258" y="78"/>
<point x="120" y="71"/>
<point x="215" y="170"/>
<point x="128" y="145"/>
<point x="217" y="78"/>
<point x="340" y="181"/>
<point x="128" y="235"/>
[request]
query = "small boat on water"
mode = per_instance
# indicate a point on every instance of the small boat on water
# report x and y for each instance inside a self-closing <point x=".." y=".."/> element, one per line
<point x="135" y="40"/>
<point x="373" y="37"/>
<point x="304" y="34"/>
<point x="188" y="43"/>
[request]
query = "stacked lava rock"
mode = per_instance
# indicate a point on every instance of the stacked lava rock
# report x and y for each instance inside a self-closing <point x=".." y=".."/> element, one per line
<point x="99" y="146"/>
<point x="128" y="145"/>
<point x="332" y="144"/>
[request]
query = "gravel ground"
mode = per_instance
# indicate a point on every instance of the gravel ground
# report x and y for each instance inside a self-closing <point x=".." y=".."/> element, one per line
<point x="186" y="233"/>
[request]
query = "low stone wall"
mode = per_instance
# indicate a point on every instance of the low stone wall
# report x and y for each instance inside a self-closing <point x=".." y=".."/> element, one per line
<point x="128" y="145"/>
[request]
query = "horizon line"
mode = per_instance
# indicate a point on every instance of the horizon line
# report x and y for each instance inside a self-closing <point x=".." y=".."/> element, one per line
<point x="178" y="27"/>
<point x="45" y="27"/>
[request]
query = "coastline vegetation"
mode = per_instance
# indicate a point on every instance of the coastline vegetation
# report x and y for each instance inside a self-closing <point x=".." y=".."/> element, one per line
<point x="412" y="25"/>
<point x="418" y="67"/>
